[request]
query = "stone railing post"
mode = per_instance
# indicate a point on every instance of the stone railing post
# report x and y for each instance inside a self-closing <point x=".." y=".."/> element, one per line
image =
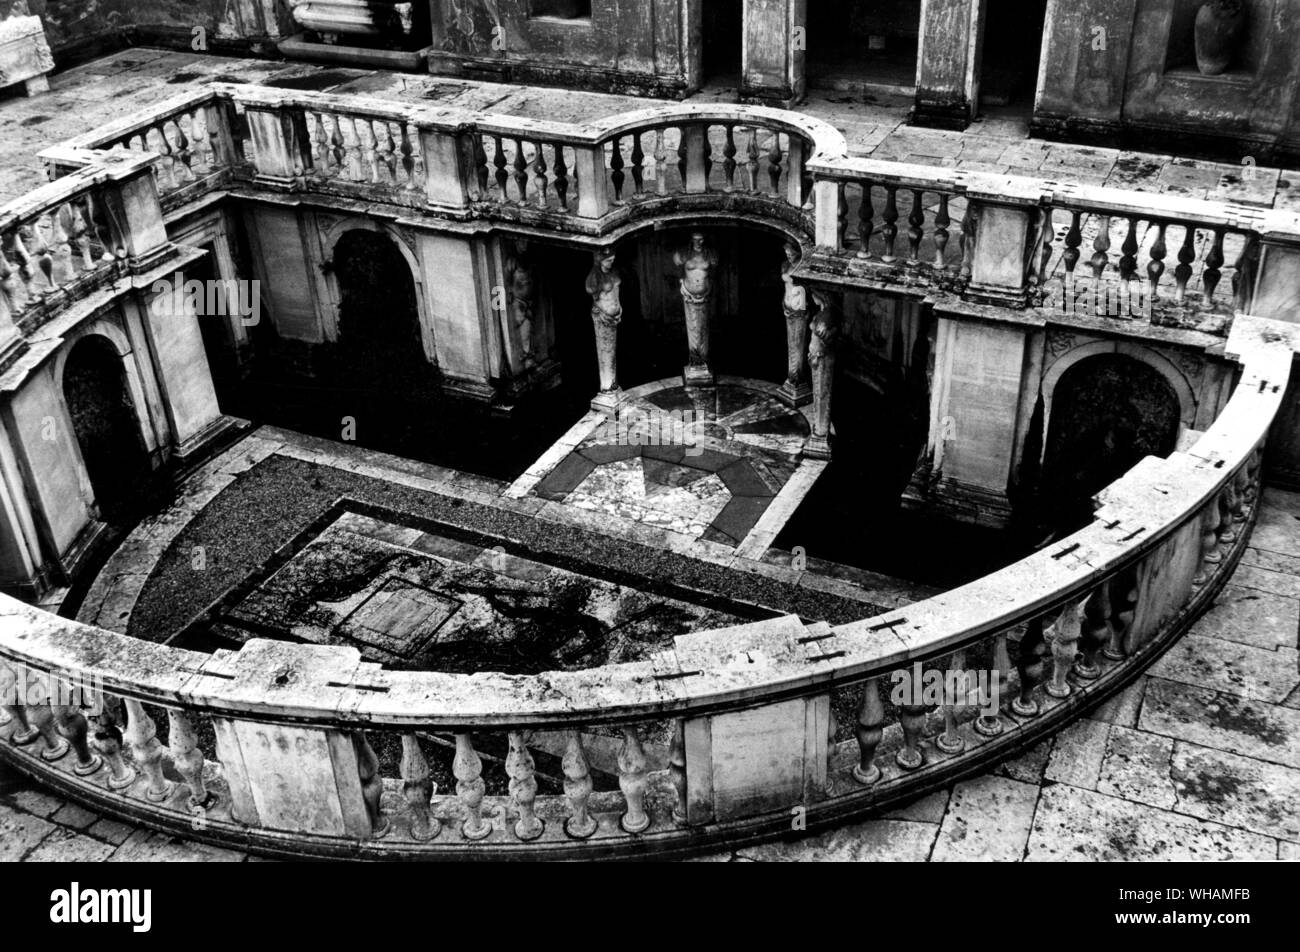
<point x="448" y="164"/>
<point x="1274" y="288"/>
<point x="134" y="210"/>
<point x="827" y="195"/>
<point x="281" y="144"/>
<point x="1006" y="219"/>
<point x="589" y="170"/>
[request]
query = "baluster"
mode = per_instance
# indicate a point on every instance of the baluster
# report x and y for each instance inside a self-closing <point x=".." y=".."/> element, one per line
<point x="1156" y="267"/>
<point x="373" y="152"/>
<point x="890" y="230"/>
<point x="915" y="231"/>
<point x="632" y="781"/>
<point x="407" y="151"/>
<point x="1030" y="659"/>
<point x="577" y="788"/>
<point x="661" y="163"/>
<point x="967" y="242"/>
<point x="522" y="771"/>
<point x="1211" y="273"/>
<point x="1123" y="619"/>
<point x="561" y="176"/>
<point x="1096" y="632"/>
<point x="911" y="718"/>
<point x="729" y="158"/>
<point x="480" y="167"/>
<point x="320" y="143"/>
<point x="1100" y="247"/>
<point x="41" y="717"/>
<point x="990" y="725"/>
<point x="467" y="768"/>
<point x="1240" y="507"/>
<point x="183" y="151"/>
<point x="1073" y="239"/>
<point x="499" y="162"/>
<point x="99" y="229"/>
<point x="1186" y="255"/>
<point x="616" y="165"/>
<point x="870" y="729"/>
<point x="338" y="147"/>
<point x="951" y="741"/>
<point x="8" y="286"/>
<point x="865" y="224"/>
<point x="677" y="770"/>
<point x="1065" y="648"/>
<point x="638" y="163"/>
<point x="372" y="785"/>
<point x="941" y="223"/>
<point x="61" y="226"/>
<point x="1210" y="555"/>
<point x="707" y="144"/>
<point x="25" y="271"/>
<point x="44" y="257"/>
<point x="521" y="171"/>
<point x="1227" y="503"/>
<point x="183" y="742"/>
<point x="1045" y="251"/>
<point x="142" y="736"/>
<point x="418" y="789"/>
<point x="751" y="166"/>
<point x="842" y="213"/>
<point x="1128" y="259"/>
<point x="169" y="162"/>
<point x="682" y="152"/>
<point x="81" y="235"/>
<point x="12" y="691"/>
<point x="390" y="152"/>
<point x="539" y="175"/>
<point x="107" y="741"/>
<point x="774" y="158"/>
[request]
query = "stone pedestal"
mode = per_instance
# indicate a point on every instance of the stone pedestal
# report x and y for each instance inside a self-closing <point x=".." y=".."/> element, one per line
<point x="25" y="54"/>
<point x="772" y="59"/>
<point x="821" y="360"/>
<point x="999" y="266"/>
<point x="796" y="390"/>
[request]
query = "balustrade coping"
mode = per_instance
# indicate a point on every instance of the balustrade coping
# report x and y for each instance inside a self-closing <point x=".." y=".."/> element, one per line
<point x="279" y="681"/>
<point x="116" y="165"/>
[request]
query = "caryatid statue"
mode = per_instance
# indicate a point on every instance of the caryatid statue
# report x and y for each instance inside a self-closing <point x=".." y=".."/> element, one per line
<point x="520" y="298"/>
<point x="697" y="263"/>
<point x="795" y="390"/>
<point x="606" y="312"/>
<point x="821" y="359"/>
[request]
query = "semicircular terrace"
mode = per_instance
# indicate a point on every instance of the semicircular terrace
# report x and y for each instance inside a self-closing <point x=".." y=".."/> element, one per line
<point x="747" y="710"/>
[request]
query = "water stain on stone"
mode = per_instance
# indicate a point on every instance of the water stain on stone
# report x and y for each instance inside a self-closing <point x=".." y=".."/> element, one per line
<point x="184" y="77"/>
<point x="1205" y="787"/>
<point x="1231" y="715"/>
<point x="322" y="80"/>
<point x="36" y="120"/>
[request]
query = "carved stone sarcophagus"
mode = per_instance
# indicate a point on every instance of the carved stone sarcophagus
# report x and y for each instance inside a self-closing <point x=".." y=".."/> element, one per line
<point x="24" y="53"/>
<point x="331" y="19"/>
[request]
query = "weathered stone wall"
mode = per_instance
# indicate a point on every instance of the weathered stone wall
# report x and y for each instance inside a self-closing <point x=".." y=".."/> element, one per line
<point x="1127" y="69"/>
<point x="80" y="26"/>
<point x="625" y="45"/>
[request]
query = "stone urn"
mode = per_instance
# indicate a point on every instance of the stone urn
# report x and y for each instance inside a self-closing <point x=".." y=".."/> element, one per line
<point x="1219" y="27"/>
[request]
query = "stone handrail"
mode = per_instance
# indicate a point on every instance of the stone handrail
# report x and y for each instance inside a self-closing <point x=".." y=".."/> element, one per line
<point x="291" y="721"/>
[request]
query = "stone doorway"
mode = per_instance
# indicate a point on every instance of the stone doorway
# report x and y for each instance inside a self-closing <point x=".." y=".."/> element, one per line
<point x="1012" y="38"/>
<point x="107" y="429"/>
<point x="863" y="47"/>
<point x="721" y="41"/>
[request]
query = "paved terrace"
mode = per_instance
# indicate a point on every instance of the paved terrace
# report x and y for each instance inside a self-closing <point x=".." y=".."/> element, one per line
<point x="1200" y="759"/>
<point x="93" y="94"/>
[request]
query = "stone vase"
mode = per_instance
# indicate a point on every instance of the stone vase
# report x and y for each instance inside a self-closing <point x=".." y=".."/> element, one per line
<point x="1219" y="28"/>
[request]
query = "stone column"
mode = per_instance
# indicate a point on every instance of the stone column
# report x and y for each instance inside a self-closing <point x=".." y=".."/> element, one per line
<point x="796" y="390"/>
<point x="772" y="58"/>
<point x="606" y="313"/>
<point x="821" y="358"/>
<point x="697" y="263"/>
<point x="948" y="64"/>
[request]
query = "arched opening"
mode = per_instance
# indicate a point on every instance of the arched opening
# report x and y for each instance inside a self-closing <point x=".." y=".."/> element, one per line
<point x="107" y="429"/>
<point x="378" y="370"/>
<point x="1107" y="412"/>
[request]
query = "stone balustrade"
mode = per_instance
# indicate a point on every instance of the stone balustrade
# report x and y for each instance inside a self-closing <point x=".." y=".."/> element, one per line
<point x="721" y="739"/>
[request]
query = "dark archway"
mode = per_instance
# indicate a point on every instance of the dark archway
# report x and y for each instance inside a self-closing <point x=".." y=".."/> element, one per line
<point x="1107" y="413"/>
<point x="378" y="369"/>
<point x="107" y="429"/>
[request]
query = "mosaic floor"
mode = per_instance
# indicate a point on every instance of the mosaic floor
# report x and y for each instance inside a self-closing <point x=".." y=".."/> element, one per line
<point x="437" y="600"/>
<point x="706" y="463"/>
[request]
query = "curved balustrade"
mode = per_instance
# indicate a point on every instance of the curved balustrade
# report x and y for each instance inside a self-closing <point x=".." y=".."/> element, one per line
<point x="294" y="768"/>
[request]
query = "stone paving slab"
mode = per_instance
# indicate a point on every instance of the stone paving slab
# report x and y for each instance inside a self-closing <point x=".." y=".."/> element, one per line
<point x="989" y="818"/>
